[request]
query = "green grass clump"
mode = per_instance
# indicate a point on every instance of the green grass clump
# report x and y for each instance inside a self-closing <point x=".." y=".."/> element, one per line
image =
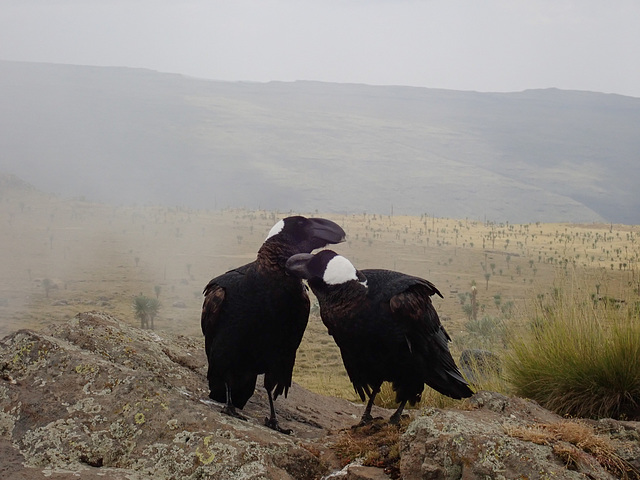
<point x="581" y="356"/>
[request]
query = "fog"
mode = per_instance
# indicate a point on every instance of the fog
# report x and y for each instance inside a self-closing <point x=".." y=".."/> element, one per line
<point x="121" y="136"/>
<point x="492" y="46"/>
<point x="496" y="45"/>
<point x="126" y="136"/>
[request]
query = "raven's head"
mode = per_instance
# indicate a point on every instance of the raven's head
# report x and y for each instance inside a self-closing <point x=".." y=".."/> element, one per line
<point x="325" y="266"/>
<point x="303" y="235"/>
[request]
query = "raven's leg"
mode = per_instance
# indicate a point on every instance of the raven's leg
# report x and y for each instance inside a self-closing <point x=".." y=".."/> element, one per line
<point x="229" y="408"/>
<point x="395" y="418"/>
<point x="366" y="416"/>
<point x="272" y="421"/>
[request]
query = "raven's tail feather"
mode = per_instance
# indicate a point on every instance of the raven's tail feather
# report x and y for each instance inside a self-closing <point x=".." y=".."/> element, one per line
<point x="450" y="383"/>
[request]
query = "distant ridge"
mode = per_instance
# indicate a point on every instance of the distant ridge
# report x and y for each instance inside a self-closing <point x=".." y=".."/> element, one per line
<point x="125" y="136"/>
<point x="12" y="182"/>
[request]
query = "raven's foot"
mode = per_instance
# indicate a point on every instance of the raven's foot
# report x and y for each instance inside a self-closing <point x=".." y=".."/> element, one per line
<point x="232" y="412"/>
<point x="396" y="419"/>
<point x="273" y="424"/>
<point x="366" y="419"/>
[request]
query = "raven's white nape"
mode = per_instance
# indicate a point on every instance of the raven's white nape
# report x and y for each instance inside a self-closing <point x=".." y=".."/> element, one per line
<point x="339" y="270"/>
<point x="276" y="229"/>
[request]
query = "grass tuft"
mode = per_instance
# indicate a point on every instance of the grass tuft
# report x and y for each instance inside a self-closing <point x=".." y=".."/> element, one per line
<point x="581" y="357"/>
<point x="376" y="445"/>
<point x="576" y="444"/>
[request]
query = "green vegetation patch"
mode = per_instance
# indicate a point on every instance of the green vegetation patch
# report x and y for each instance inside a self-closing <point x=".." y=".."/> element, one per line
<point x="581" y="356"/>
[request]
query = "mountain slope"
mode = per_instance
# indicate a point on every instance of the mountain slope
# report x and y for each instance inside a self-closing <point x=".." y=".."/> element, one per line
<point x="128" y="135"/>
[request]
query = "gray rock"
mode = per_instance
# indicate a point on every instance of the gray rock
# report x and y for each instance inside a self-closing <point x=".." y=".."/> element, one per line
<point x="478" y="365"/>
<point x="97" y="398"/>
<point x="360" y="472"/>
<point x="494" y="440"/>
<point x="97" y="395"/>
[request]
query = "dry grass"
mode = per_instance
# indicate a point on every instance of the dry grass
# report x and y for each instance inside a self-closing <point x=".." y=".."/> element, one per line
<point x="577" y="444"/>
<point x="376" y="444"/>
<point x="102" y="257"/>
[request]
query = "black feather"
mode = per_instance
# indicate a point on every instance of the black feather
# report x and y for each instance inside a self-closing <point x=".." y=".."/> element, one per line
<point x="387" y="329"/>
<point x="254" y="317"/>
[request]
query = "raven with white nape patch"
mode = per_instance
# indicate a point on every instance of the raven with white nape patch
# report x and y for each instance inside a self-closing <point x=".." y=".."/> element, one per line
<point x="386" y="327"/>
<point x="254" y="316"/>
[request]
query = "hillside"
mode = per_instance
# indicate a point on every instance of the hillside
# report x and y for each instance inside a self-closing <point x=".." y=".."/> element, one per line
<point x="71" y="353"/>
<point x="127" y="136"/>
<point x="99" y="256"/>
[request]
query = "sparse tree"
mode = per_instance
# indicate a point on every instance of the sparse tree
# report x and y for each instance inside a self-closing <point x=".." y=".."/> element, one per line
<point x="47" y="285"/>
<point x="146" y="309"/>
<point x="463" y="297"/>
<point x="474" y="302"/>
<point x="497" y="298"/>
<point x="140" y="310"/>
<point x="154" y="309"/>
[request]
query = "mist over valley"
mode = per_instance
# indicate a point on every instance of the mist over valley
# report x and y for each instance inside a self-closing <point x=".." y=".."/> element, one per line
<point x="132" y="136"/>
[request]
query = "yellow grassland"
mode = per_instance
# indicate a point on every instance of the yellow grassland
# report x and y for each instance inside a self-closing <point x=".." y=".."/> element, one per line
<point x="100" y="257"/>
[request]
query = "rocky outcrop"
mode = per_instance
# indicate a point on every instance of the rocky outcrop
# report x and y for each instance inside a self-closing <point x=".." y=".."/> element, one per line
<point x="97" y="398"/>
<point x="98" y="395"/>
<point x="504" y="438"/>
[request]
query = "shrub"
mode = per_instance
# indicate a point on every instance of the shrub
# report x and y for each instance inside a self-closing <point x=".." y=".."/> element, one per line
<point x="580" y="357"/>
<point x="486" y="332"/>
<point x="146" y="309"/>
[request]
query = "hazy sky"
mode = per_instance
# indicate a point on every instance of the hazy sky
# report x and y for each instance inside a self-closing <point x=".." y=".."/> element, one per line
<point x="484" y="45"/>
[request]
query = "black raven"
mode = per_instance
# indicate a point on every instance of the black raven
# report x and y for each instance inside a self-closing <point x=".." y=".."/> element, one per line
<point x="254" y="316"/>
<point x="386" y="327"/>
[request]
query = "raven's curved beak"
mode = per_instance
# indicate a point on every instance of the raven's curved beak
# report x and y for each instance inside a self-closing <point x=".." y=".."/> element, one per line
<point x="325" y="232"/>
<point x="297" y="265"/>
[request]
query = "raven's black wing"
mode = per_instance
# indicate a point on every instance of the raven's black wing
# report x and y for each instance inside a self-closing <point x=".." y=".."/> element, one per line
<point x="426" y="337"/>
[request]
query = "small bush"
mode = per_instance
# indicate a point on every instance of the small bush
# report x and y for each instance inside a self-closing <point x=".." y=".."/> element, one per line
<point x="486" y="332"/>
<point x="146" y="310"/>
<point x="580" y="357"/>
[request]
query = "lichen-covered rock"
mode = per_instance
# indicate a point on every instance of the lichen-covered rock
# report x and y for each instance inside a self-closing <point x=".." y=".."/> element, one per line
<point x="507" y="438"/>
<point x="95" y="393"/>
<point x="96" y="398"/>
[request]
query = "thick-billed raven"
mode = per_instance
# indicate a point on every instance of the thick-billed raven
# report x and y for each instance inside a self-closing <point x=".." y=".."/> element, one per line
<point x="254" y="316"/>
<point x="386" y="327"/>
